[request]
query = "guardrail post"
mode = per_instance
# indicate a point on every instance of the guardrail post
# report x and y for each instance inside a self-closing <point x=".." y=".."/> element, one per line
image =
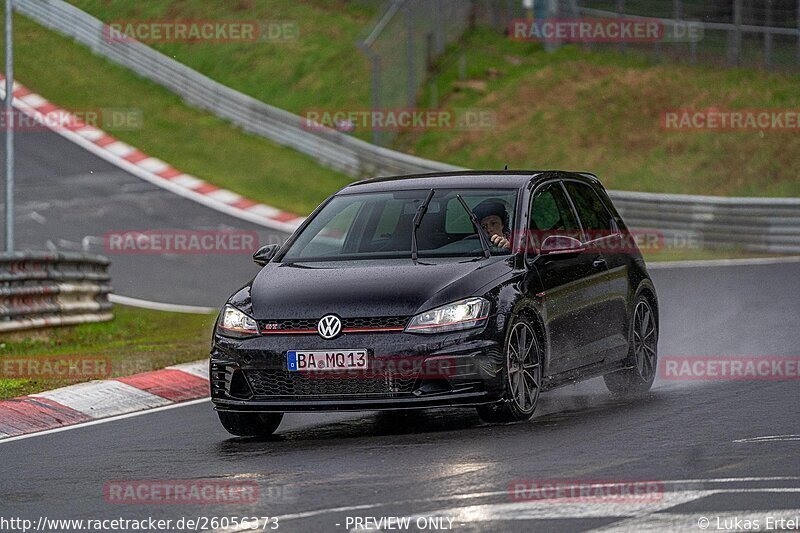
<point x="429" y="54"/>
<point x="767" y="35"/>
<point x="657" y="51"/>
<point x="621" y="13"/>
<point x="552" y="12"/>
<point x="439" y="28"/>
<point x="375" y="65"/>
<point x="375" y="87"/>
<point x="677" y="14"/>
<point x="412" y="74"/>
<point x="735" y="36"/>
<point x="9" y="108"/>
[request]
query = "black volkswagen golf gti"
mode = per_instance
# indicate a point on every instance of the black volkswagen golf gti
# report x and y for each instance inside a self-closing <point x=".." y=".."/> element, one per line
<point x="457" y="289"/>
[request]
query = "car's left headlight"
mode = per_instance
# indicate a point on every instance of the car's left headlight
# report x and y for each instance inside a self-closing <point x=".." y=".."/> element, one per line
<point x="463" y="314"/>
<point x="234" y="323"/>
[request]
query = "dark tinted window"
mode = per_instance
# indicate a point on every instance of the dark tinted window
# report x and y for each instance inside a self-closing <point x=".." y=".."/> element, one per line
<point x="551" y="214"/>
<point x="379" y="225"/>
<point x="597" y="221"/>
<point x="550" y="211"/>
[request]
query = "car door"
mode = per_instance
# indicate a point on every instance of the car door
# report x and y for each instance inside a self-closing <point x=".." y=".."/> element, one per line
<point x="603" y="236"/>
<point x="572" y="288"/>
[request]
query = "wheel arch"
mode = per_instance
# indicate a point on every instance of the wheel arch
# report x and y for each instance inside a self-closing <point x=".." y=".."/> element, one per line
<point x="539" y="329"/>
<point x="648" y="290"/>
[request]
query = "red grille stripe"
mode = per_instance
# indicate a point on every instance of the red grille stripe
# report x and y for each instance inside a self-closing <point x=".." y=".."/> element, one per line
<point x="308" y="331"/>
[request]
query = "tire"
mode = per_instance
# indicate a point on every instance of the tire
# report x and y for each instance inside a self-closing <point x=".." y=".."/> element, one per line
<point x="250" y="424"/>
<point x="642" y="354"/>
<point x="523" y="368"/>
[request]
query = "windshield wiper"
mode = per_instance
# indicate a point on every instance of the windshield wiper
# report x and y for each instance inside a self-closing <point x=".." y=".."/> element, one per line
<point x="477" y="224"/>
<point x="423" y="208"/>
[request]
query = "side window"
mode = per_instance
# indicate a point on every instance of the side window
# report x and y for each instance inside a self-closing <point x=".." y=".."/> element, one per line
<point x="597" y="221"/>
<point x="550" y="210"/>
<point x="551" y="214"/>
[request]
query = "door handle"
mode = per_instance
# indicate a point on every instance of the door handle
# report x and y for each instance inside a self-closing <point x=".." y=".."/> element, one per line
<point x="599" y="262"/>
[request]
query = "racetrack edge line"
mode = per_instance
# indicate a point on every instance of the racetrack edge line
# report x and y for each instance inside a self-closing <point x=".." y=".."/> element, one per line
<point x="104" y="420"/>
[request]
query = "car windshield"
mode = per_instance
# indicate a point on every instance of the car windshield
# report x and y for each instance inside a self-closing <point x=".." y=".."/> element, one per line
<point x="380" y="225"/>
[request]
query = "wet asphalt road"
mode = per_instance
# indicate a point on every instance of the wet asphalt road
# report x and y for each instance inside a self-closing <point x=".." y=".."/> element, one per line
<point x="65" y="197"/>
<point x="322" y="471"/>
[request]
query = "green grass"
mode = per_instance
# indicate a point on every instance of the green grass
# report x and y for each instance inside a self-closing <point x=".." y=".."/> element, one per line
<point x="601" y="111"/>
<point x="701" y="254"/>
<point x="137" y="340"/>
<point x="322" y="68"/>
<point x="193" y="141"/>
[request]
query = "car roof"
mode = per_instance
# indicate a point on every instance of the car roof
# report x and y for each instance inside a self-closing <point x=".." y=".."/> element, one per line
<point x="463" y="178"/>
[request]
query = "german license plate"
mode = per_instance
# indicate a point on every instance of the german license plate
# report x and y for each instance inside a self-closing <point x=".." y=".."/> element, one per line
<point x="310" y="360"/>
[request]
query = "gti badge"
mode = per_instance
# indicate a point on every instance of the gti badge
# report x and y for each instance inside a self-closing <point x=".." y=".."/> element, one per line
<point x="329" y="326"/>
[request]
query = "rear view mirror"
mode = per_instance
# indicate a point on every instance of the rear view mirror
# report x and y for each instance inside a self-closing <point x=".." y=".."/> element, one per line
<point x="560" y="245"/>
<point x="265" y="253"/>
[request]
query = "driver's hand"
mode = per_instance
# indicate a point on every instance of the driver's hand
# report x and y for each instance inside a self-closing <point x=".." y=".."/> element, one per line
<point x="500" y="241"/>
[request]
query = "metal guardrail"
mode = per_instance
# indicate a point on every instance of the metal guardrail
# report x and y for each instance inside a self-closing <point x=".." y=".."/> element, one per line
<point x="771" y="225"/>
<point x="330" y="148"/>
<point x="43" y="289"/>
<point x="755" y="224"/>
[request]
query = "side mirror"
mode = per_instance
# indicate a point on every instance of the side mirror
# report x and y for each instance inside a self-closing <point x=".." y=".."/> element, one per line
<point x="265" y="253"/>
<point x="561" y="245"/>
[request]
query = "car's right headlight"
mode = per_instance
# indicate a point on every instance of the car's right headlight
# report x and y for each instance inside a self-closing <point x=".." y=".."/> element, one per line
<point x="463" y="314"/>
<point x="234" y="323"/>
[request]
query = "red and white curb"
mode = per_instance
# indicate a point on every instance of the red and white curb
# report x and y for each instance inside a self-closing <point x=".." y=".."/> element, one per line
<point x="149" y="168"/>
<point x="96" y="400"/>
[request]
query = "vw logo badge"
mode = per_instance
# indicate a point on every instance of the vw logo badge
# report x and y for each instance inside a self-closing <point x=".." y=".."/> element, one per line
<point x="329" y="326"/>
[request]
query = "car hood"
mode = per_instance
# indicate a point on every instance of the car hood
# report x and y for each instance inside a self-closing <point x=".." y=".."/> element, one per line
<point x="367" y="288"/>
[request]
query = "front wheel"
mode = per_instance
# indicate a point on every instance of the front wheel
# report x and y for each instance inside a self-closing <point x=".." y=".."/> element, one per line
<point x="250" y="424"/>
<point x="642" y="354"/>
<point x="523" y="372"/>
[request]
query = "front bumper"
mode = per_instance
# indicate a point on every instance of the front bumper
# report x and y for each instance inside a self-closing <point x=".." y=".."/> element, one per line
<point x="431" y="371"/>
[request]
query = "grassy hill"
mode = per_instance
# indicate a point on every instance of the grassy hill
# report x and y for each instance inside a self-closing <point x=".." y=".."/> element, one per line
<point x="572" y="109"/>
<point x="322" y="67"/>
<point x="601" y="111"/>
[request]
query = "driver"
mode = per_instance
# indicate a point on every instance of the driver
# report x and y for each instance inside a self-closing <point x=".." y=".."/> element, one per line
<point x="493" y="217"/>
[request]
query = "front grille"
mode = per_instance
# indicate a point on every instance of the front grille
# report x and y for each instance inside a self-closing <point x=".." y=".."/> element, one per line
<point x="375" y="322"/>
<point x="271" y="383"/>
<point x="310" y="324"/>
